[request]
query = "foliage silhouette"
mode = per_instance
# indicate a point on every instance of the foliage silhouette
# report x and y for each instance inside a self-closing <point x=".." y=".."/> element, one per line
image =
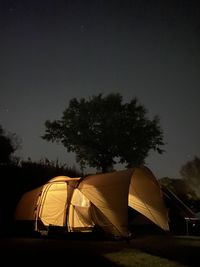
<point x="7" y="147"/>
<point x="190" y="172"/>
<point x="103" y="131"/>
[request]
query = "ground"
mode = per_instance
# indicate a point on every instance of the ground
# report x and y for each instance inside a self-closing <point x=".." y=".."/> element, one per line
<point x="143" y="251"/>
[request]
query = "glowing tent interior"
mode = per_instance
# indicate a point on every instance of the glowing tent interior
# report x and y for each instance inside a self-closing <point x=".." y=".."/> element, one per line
<point x="101" y="200"/>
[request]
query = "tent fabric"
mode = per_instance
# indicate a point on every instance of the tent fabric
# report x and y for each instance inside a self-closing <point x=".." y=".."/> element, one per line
<point x="55" y="200"/>
<point x="97" y="200"/>
<point x="146" y="197"/>
<point x="26" y="208"/>
<point x="79" y="213"/>
<point x="53" y="206"/>
<point x="108" y="192"/>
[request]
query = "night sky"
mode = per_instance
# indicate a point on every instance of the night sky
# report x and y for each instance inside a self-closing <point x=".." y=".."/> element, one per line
<point x="53" y="51"/>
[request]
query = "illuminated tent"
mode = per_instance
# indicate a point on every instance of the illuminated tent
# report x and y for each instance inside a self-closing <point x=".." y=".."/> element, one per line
<point x="100" y="200"/>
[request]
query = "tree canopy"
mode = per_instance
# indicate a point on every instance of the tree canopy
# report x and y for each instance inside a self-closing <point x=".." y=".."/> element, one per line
<point x="190" y="172"/>
<point x="103" y="131"/>
<point x="6" y="147"/>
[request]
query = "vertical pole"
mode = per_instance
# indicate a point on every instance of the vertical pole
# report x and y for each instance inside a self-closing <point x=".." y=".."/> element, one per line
<point x="187" y="230"/>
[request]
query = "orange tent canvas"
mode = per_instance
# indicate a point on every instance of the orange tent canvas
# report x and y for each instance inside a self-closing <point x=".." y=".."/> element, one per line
<point x="80" y="204"/>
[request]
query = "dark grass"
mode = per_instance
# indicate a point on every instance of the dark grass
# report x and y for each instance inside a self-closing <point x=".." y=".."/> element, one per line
<point x="182" y="249"/>
<point x="76" y="250"/>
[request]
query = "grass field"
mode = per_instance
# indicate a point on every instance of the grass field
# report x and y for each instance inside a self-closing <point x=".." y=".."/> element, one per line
<point x="144" y="251"/>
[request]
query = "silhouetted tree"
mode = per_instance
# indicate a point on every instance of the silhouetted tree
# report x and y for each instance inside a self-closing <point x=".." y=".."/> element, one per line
<point x="190" y="172"/>
<point x="8" y="146"/>
<point x="103" y="131"/>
